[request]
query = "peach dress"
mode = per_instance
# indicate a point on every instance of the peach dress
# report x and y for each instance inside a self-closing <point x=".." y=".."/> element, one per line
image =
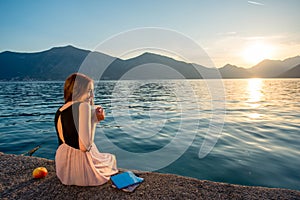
<point x="75" y="166"/>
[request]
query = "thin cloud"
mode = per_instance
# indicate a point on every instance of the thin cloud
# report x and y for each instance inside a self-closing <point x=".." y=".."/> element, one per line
<point x="256" y="3"/>
<point x="231" y="33"/>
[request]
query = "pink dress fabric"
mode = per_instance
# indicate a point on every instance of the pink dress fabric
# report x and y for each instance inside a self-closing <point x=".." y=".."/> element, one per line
<point x="84" y="168"/>
<point x="76" y="167"/>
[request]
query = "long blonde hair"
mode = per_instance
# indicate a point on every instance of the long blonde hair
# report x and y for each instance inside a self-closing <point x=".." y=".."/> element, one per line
<point x="75" y="86"/>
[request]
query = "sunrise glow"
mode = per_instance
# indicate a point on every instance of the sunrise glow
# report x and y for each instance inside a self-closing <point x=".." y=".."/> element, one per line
<point x="256" y="52"/>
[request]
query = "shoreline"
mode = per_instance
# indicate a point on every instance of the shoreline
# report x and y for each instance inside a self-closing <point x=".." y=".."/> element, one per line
<point x="16" y="182"/>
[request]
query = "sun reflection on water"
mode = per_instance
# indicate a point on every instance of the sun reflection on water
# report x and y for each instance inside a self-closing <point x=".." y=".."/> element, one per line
<point x="254" y="90"/>
<point x="255" y="95"/>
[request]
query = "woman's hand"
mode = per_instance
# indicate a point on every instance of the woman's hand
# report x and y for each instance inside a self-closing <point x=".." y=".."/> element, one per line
<point x="100" y="113"/>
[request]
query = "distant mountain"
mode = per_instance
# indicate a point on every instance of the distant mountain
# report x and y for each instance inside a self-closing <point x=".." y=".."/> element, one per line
<point x="292" y="73"/>
<point x="53" y="64"/>
<point x="274" y="68"/>
<point x="151" y="66"/>
<point x="232" y="71"/>
<point x="57" y="63"/>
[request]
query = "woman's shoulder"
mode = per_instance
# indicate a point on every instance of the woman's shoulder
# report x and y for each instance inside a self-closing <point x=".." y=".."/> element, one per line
<point x="69" y="105"/>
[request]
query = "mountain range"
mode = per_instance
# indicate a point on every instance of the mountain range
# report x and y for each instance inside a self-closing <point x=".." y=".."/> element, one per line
<point x="58" y="62"/>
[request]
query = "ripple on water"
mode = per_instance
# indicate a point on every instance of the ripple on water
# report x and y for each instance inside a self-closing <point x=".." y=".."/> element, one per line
<point x="259" y="144"/>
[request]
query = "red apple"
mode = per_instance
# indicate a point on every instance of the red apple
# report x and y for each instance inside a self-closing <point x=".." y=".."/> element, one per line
<point x="39" y="172"/>
<point x="100" y="113"/>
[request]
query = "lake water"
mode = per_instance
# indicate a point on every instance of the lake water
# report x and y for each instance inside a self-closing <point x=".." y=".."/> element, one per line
<point x="161" y="125"/>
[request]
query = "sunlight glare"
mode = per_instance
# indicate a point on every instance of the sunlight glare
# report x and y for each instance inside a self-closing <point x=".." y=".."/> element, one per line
<point x="254" y="115"/>
<point x="255" y="96"/>
<point x="254" y="90"/>
<point x="257" y="52"/>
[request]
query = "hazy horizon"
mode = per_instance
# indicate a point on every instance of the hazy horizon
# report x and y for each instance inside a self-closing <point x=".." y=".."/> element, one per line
<point x="241" y="33"/>
<point x="136" y="55"/>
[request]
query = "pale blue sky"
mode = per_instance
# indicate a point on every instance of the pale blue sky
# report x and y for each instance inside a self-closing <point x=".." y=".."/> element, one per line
<point x="228" y="30"/>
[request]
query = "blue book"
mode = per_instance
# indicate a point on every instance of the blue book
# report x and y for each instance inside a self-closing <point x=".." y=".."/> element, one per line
<point x="125" y="179"/>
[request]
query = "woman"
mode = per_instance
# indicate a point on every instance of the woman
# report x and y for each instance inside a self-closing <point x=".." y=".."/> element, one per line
<point x="78" y="161"/>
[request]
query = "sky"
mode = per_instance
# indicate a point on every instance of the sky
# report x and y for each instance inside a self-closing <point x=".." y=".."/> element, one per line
<point x="237" y="32"/>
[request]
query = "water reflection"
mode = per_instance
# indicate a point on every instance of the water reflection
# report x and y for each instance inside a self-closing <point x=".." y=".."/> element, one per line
<point x="254" y="96"/>
<point x="254" y="91"/>
<point x="254" y="115"/>
<point x="267" y="134"/>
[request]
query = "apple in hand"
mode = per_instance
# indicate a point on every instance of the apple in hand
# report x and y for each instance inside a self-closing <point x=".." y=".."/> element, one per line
<point x="39" y="172"/>
<point x="100" y="113"/>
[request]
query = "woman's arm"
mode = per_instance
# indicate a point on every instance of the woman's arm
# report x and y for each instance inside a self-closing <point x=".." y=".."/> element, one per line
<point x="86" y="127"/>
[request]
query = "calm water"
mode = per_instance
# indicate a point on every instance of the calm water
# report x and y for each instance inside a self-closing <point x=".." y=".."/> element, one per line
<point x="157" y="123"/>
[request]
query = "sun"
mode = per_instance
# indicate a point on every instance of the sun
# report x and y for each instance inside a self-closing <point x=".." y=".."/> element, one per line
<point x="256" y="52"/>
